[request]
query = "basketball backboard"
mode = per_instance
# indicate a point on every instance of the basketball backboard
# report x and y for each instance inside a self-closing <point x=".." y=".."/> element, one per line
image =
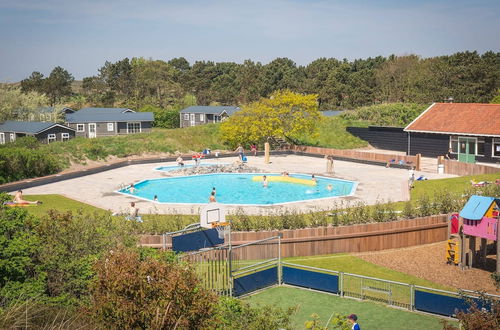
<point x="212" y="213"/>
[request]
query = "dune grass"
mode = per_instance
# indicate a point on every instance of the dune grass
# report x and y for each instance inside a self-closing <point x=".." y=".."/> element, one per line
<point x="332" y="134"/>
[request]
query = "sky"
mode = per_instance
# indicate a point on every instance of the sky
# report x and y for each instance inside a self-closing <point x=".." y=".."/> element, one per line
<point x="38" y="35"/>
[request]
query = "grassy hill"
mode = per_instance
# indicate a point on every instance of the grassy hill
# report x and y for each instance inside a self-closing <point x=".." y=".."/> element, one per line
<point x="159" y="141"/>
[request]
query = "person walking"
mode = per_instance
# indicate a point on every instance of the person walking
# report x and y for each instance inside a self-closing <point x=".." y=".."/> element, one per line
<point x="353" y="318"/>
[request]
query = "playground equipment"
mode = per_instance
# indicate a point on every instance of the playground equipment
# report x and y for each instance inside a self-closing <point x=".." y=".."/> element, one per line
<point x="285" y="179"/>
<point x="478" y="219"/>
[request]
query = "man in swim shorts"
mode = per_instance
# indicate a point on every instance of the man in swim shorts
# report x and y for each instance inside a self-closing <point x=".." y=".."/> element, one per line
<point x="19" y="199"/>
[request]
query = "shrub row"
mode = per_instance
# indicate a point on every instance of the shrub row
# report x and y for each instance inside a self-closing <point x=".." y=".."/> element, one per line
<point x="340" y="214"/>
<point x="21" y="163"/>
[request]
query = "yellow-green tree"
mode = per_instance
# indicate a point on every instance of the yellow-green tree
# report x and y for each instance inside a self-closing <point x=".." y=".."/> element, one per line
<point x="284" y="114"/>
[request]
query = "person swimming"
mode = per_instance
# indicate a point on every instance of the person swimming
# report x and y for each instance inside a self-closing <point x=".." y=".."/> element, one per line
<point x="264" y="181"/>
<point x="132" y="189"/>
<point x="212" y="199"/>
<point x="214" y="191"/>
<point x="313" y="178"/>
<point x="155" y="199"/>
<point x="329" y="187"/>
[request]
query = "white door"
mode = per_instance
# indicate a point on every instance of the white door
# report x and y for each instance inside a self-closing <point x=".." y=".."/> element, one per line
<point x="193" y="122"/>
<point x="92" y="130"/>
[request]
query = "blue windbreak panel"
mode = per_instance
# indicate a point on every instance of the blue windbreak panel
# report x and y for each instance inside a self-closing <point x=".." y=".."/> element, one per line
<point x="443" y="305"/>
<point x="255" y="281"/>
<point x="311" y="279"/>
<point x="197" y="240"/>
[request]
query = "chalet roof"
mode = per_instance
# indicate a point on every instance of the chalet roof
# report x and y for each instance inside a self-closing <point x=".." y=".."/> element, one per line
<point x="28" y="127"/>
<point x="96" y="117"/>
<point x="104" y="110"/>
<point x="458" y="118"/>
<point x="476" y="207"/>
<point x="211" y="110"/>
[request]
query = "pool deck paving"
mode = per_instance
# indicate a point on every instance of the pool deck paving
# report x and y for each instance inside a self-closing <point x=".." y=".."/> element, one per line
<point x="375" y="183"/>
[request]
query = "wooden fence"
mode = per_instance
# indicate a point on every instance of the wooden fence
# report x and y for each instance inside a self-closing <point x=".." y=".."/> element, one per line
<point x="461" y="169"/>
<point x="324" y="240"/>
<point x="359" y="155"/>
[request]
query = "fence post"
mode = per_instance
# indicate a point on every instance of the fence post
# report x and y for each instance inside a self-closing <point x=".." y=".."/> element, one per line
<point x="419" y="160"/>
<point x="341" y="283"/>
<point x="280" y="270"/>
<point x="412" y="297"/>
<point x="164" y="241"/>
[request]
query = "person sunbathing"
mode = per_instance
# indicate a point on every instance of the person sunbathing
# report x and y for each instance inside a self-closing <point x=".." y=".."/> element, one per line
<point x="19" y="199"/>
<point x="479" y="183"/>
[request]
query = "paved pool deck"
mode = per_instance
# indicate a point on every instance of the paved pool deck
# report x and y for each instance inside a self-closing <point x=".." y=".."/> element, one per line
<point x="375" y="183"/>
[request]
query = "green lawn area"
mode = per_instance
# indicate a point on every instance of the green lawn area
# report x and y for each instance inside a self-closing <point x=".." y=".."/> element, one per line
<point x="456" y="185"/>
<point x="351" y="264"/>
<point x="59" y="203"/>
<point x="370" y="315"/>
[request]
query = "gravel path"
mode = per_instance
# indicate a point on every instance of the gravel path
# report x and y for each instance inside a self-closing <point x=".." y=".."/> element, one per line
<point x="427" y="262"/>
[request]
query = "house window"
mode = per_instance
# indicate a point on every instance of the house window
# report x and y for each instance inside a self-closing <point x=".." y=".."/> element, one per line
<point x="496" y="148"/>
<point x="64" y="136"/>
<point x="202" y="117"/>
<point x="111" y="127"/>
<point x="186" y="116"/>
<point x="80" y="127"/>
<point x="133" y="128"/>
<point x="480" y="146"/>
<point x="51" y="138"/>
<point x="12" y="137"/>
<point x="2" y="138"/>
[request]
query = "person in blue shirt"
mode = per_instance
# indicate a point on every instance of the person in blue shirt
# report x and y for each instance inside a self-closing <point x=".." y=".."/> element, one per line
<point x="353" y="318"/>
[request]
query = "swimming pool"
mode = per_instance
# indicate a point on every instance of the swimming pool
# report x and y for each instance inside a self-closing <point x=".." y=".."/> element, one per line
<point x="238" y="188"/>
<point x="177" y="167"/>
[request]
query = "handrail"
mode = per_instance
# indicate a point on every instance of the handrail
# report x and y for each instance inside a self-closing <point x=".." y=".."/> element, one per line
<point x="309" y="267"/>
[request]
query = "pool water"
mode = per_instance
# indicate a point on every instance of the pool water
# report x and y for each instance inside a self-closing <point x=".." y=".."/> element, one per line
<point x="237" y="188"/>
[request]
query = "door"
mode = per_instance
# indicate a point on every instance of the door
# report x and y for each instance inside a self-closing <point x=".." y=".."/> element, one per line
<point x="193" y="122"/>
<point x="467" y="150"/>
<point x="92" y="130"/>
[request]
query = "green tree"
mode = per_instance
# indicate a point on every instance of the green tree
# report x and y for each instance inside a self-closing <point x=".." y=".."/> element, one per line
<point x="58" y="84"/>
<point x="34" y="83"/>
<point x="496" y="98"/>
<point x="284" y="114"/>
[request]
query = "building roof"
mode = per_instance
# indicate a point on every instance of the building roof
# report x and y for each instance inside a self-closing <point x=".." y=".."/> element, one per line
<point x="29" y="127"/>
<point x="331" y="113"/>
<point x="458" y="118"/>
<point x="91" y="117"/>
<point x="105" y="110"/>
<point x="211" y="110"/>
<point x="476" y="207"/>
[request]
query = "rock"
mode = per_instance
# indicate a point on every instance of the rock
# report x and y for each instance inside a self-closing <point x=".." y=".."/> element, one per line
<point x="216" y="168"/>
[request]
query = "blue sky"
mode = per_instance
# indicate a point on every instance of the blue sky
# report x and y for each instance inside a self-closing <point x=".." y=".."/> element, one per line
<point x="37" y="35"/>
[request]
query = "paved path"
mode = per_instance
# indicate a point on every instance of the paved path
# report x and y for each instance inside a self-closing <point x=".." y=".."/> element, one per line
<point x="376" y="183"/>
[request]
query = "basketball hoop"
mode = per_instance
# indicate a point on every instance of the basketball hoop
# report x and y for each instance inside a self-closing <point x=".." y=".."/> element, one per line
<point x="222" y="228"/>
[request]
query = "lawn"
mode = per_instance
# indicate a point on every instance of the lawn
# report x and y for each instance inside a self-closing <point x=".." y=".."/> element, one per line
<point x="457" y="185"/>
<point x="351" y="264"/>
<point x="370" y="315"/>
<point x="59" y="203"/>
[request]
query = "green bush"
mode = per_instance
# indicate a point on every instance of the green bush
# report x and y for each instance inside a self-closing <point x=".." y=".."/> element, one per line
<point x="20" y="163"/>
<point x="236" y="314"/>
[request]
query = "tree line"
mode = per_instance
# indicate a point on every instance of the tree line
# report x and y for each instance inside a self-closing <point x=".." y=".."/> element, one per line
<point x="340" y="84"/>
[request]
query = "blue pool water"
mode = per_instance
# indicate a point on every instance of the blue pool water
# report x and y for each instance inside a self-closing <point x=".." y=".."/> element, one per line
<point x="177" y="167"/>
<point x="237" y="188"/>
